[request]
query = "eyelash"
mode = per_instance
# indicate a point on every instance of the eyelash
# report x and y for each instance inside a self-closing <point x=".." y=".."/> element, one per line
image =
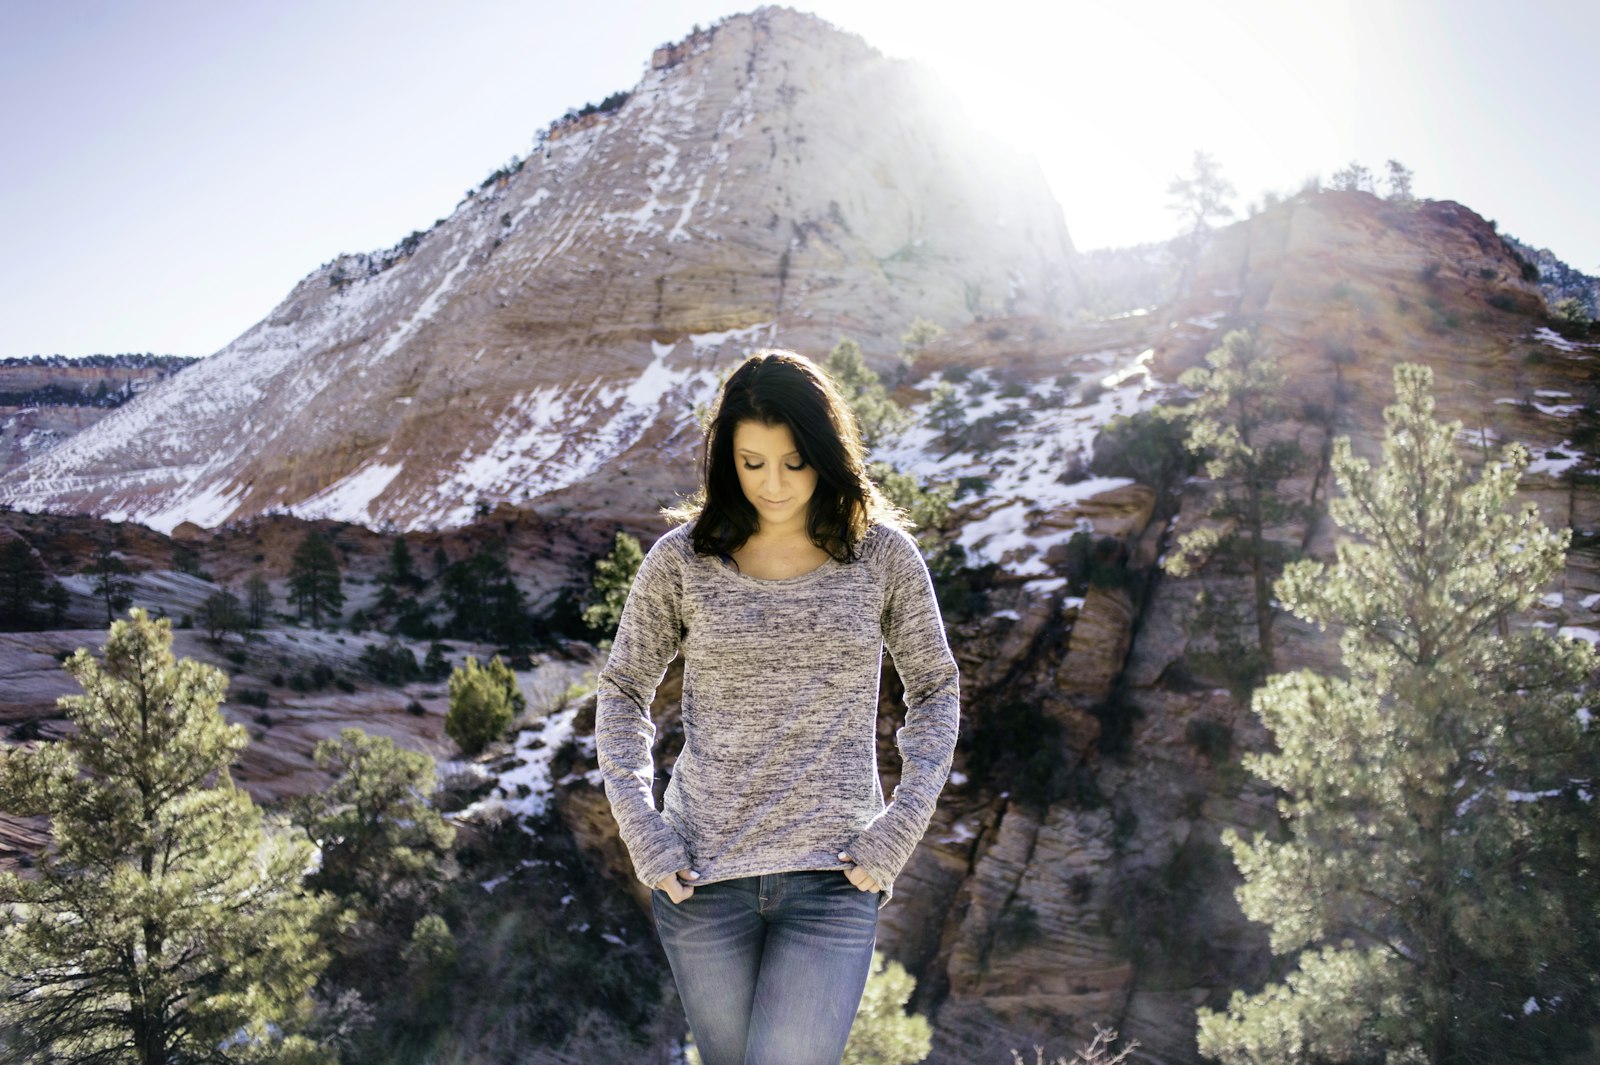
<point x="792" y="469"/>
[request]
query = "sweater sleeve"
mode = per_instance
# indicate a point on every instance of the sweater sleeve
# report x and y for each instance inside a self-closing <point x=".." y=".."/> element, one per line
<point x="914" y="633"/>
<point x="647" y="640"/>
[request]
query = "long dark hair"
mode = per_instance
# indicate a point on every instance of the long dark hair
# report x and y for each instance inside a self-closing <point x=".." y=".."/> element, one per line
<point x="778" y="387"/>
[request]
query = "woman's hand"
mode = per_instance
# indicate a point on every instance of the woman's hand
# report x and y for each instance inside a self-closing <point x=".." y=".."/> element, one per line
<point x="678" y="886"/>
<point x="857" y="875"/>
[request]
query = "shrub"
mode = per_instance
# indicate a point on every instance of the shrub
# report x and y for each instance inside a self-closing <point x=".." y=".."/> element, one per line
<point x="483" y="702"/>
<point x="1016" y="747"/>
<point x="249" y="696"/>
<point x="392" y="663"/>
<point x="1213" y="739"/>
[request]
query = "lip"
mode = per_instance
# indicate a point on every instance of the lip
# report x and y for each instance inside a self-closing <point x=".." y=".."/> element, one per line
<point x="773" y="503"/>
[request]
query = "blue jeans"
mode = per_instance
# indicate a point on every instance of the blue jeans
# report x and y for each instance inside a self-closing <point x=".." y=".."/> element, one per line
<point x="770" y="969"/>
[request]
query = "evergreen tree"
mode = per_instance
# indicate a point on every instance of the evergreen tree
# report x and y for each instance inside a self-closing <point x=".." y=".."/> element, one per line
<point x="1354" y="178"/>
<point x="613" y="578"/>
<point x="918" y="335"/>
<point x="57" y="598"/>
<point x="401" y="572"/>
<point x="1237" y="407"/>
<point x="384" y="849"/>
<point x="314" y="579"/>
<point x="1439" y="886"/>
<point x="379" y="836"/>
<point x="398" y="578"/>
<point x="166" y="926"/>
<point x="435" y="666"/>
<point x="945" y="412"/>
<point x="258" y="597"/>
<point x="22" y="582"/>
<point x="220" y="614"/>
<point x="1399" y="183"/>
<point x="1198" y="199"/>
<point x="111" y="581"/>
<point x="484" y="601"/>
<point x="483" y="702"/>
<point x="879" y="417"/>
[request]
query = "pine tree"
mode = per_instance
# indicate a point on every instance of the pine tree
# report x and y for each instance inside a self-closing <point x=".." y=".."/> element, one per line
<point x="258" y="597"/>
<point x="398" y="578"/>
<point x="314" y="578"/>
<point x="220" y="614"/>
<point x="111" y="581"/>
<point x="918" y="335"/>
<point x="879" y="417"/>
<point x="22" y="582"/>
<point x="57" y="598"/>
<point x="383" y="847"/>
<point x="1198" y="200"/>
<point x="401" y="570"/>
<point x="484" y="600"/>
<point x="945" y="412"/>
<point x="1354" y="178"/>
<point x="1231" y="423"/>
<point x="1437" y="887"/>
<point x="1399" y="179"/>
<point x="483" y="702"/>
<point x="613" y="579"/>
<point x="166" y="926"/>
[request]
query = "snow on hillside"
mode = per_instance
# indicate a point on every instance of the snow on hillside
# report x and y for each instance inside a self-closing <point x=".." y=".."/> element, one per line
<point x="1037" y="467"/>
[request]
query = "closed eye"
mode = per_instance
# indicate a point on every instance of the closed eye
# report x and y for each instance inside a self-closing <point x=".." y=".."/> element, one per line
<point x="757" y="466"/>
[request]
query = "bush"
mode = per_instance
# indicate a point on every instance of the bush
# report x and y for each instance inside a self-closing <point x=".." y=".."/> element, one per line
<point x="392" y="663"/>
<point x="483" y="702"/>
<point x="1016" y="748"/>
<point x="249" y="696"/>
<point x="1148" y="447"/>
<point x="884" y="1033"/>
<point x="1213" y="739"/>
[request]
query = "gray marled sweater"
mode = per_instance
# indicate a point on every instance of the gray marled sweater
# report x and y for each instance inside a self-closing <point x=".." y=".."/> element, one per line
<point x="779" y="766"/>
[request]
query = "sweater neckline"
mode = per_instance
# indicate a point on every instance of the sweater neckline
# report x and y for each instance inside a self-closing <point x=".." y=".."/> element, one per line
<point x="727" y="567"/>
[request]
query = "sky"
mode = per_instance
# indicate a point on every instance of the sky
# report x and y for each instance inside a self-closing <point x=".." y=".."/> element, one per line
<point x="172" y="168"/>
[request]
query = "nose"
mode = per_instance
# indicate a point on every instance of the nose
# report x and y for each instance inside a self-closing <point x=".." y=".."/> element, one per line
<point x="774" y="484"/>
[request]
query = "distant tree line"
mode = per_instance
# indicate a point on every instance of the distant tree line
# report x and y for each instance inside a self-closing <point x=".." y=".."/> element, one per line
<point x="132" y="361"/>
<point x="102" y="394"/>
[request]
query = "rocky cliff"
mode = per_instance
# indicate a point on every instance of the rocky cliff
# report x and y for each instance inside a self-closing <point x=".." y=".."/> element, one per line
<point x="771" y="180"/>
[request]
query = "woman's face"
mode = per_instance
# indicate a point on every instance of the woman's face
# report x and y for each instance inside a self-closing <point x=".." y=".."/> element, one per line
<point x="776" y="481"/>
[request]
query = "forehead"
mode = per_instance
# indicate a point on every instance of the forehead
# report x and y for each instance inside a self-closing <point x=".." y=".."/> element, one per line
<point x="763" y="439"/>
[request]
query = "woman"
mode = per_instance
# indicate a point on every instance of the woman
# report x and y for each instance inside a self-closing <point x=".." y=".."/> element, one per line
<point x="774" y="849"/>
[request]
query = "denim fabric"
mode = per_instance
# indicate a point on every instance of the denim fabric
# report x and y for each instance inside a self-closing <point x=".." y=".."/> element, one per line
<point x="770" y="969"/>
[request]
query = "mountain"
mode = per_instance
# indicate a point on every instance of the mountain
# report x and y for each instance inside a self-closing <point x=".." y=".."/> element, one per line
<point x="770" y="180"/>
